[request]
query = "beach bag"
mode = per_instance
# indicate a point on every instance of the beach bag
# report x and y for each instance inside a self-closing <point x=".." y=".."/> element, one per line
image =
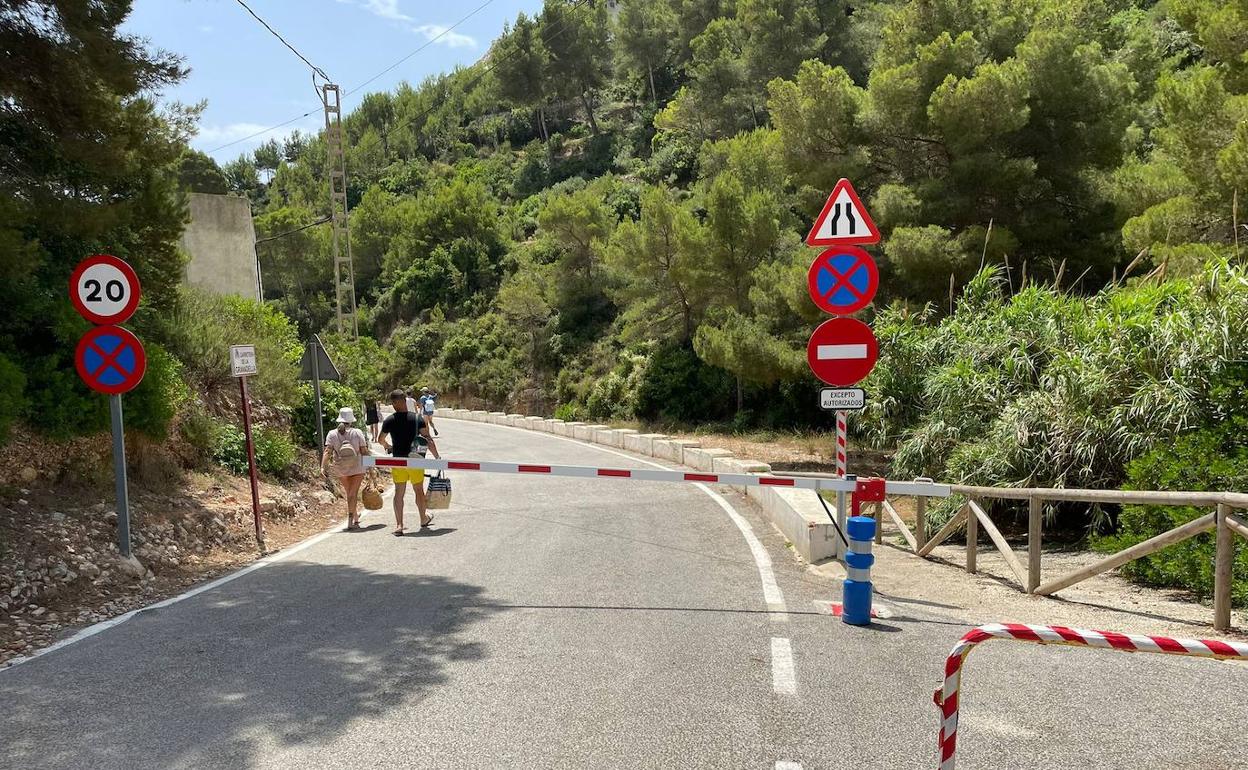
<point x="371" y="494"/>
<point x="438" y="495"/>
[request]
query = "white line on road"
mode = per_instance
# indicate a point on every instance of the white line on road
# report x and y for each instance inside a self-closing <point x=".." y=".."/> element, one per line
<point x="771" y="590"/>
<point x="788" y="765"/>
<point x="783" y="674"/>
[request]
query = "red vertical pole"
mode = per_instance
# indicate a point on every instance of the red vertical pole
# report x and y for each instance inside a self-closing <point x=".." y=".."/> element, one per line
<point x="251" y="461"/>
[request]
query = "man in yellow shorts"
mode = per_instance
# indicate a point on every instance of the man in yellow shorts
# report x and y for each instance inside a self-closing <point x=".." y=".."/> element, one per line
<point x="410" y="433"/>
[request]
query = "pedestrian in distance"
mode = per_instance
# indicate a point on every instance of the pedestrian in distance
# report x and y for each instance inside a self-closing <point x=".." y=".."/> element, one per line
<point x="345" y="448"/>
<point x="410" y="434"/>
<point x="372" y="417"/>
<point x="412" y="406"/>
<point x="426" y="400"/>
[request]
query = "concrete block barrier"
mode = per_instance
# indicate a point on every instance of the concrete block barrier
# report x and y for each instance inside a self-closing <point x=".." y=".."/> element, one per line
<point x="567" y="429"/>
<point x="548" y="425"/>
<point x="587" y="432"/>
<point x="646" y="442"/>
<point x="704" y="459"/>
<point x="674" y="449"/>
<point x="739" y="465"/>
<point x="801" y="518"/>
<point x="617" y="436"/>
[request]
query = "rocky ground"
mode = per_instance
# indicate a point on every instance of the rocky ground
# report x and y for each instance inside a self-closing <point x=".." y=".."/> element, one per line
<point x="60" y="567"/>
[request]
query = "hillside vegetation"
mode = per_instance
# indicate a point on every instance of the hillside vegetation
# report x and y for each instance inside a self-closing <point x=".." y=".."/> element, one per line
<point x="602" y="219"/>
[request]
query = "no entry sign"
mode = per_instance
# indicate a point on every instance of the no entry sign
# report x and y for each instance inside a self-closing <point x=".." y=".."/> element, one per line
<point x="842" y="351"/>
<point x="110" y="360"/>
<point x="843" y="280"/>
<point x="104" y="289"/>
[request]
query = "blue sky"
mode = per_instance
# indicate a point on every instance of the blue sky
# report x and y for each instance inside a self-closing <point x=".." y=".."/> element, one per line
<point x="251" y="81"/>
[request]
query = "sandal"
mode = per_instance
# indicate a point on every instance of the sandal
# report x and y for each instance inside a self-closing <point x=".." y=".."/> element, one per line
<point x="398" y="532"/>
<point x="428" y="523"/>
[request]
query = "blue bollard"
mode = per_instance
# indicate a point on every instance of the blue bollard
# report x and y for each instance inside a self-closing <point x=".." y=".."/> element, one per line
<point x="856" y="596"/>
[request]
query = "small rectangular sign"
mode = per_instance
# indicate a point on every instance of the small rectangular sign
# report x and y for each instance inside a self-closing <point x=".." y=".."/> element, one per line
<point x="843" y="399"/>
<point x="243" y="360"/>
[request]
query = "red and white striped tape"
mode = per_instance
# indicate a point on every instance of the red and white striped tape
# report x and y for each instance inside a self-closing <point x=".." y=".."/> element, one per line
<point x="842" y="437"/>
<point x="947" y="697"/>
<point x="920" y="488"/>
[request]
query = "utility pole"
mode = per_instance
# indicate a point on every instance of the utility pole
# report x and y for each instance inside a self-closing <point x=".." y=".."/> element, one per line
<point x="344" y="270"/>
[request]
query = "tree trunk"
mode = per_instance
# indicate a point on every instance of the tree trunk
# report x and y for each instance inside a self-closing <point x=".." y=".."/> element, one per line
<point x="650" y="71"/>
<point x="589" y="112"/>
<point x="541" y="122"/>
<point x="740" y="394"/>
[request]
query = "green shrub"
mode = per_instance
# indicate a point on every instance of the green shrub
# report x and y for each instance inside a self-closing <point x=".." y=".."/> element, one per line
<point x="334" y="396"/>
<point x="199" y="431"/>
<point x="678" y="386"/>
<point x="150" y="407"/>
<point x="275" y="452"/>
<point x="570" y="412"/>
<point x="12" y="398"/>
<point x="1210" y="459"/>
<point x="230" y="449"/>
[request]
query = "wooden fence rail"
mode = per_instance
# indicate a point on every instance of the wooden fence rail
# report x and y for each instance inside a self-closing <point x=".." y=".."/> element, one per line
<point x="972" y="516"/>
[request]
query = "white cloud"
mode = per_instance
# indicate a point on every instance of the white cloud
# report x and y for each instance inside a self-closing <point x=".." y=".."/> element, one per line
<point x="206" y="29"/>
<point x="249" y="135"/>
<point x="230" y="132"/>
<point x="386" y="9"/>
<point x="449" y="39"/>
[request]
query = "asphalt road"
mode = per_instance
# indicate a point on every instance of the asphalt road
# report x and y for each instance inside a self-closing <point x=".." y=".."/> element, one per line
<point x="551" y="622"/>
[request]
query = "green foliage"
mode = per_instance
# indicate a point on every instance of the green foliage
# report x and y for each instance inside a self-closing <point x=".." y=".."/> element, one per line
<point x="677" y="386"/>
<point x="199" y="334"/>
<point x="275" y="453"/>
<point x="230" y="448"/>
<point x="334" y="396"/>
<point x="12" y="396"/>
<point x="1213" y="458"/>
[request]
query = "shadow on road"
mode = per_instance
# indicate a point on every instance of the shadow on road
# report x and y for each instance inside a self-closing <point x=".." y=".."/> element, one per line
<point x="294" y="654"/>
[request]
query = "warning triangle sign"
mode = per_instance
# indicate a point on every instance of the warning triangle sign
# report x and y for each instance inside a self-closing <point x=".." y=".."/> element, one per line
<point x="844" y="220"/>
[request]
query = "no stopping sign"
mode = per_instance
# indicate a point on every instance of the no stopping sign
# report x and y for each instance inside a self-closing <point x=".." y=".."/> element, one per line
<point x="104" y="289"/>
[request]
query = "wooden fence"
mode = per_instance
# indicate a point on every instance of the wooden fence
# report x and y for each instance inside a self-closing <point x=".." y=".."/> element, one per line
<point x="971" y="516"/>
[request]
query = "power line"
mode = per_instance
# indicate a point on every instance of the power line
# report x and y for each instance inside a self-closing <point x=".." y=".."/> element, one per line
<point x="428" y="43"/>
<point x="292" y="232"/>
<point x="283" y="124"/>
<point x="262" y="131"/>
<point x="275" y="34"/>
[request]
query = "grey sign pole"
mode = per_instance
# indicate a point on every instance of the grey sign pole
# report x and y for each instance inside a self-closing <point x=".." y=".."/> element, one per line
<point x="119" y="475"/>
<point x="316" y="390"/>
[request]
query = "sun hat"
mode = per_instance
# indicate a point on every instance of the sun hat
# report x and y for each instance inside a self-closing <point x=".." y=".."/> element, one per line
<point x="346" y="414"/>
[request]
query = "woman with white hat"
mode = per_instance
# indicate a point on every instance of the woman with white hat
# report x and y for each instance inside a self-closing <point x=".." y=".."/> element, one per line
<point x="345" y="447"/>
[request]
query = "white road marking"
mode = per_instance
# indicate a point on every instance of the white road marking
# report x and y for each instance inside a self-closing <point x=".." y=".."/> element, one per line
<point x="104" y="625"/>
<point x="771" y="590"/>
<point x="783" y="673"/>
<point x="788" y="765"/>
<point x="839" y="352"/>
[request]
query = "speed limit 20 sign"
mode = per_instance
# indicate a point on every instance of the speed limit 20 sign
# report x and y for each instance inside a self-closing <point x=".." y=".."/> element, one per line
<point x="104" y="289"/>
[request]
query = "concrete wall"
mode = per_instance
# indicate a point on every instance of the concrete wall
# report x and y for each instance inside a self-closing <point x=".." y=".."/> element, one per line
<point x="221" y="243"/>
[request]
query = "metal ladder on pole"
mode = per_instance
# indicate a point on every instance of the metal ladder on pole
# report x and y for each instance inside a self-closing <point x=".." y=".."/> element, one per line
<point x="344" y="269"/>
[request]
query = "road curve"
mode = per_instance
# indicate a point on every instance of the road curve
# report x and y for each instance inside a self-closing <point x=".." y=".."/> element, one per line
<point x="552" y="622"/>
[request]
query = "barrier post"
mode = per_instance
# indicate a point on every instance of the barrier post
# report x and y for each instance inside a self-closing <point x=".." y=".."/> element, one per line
<point x="856" y="590"/>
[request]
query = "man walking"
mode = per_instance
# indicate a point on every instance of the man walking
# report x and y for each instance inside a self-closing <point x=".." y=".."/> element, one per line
<point x="426" y="401"/>
<point x="409" y="432"/>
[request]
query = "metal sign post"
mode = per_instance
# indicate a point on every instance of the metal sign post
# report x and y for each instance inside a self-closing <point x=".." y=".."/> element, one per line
<point x="316" y="366"/>
<point x="119" y="476"/>
<point x="105" y="290"/>
<point x="242" y="366"/>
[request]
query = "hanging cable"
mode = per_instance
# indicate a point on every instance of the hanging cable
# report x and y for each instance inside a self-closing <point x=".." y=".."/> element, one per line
<point x="292" y="232"/>
<point x="275" y="34"/>
<point x="428" y="43"/>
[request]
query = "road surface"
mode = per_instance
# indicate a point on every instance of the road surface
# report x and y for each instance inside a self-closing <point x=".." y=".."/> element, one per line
<point x="552" y="622"/>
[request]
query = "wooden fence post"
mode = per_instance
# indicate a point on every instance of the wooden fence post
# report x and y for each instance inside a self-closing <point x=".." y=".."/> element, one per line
<point x="972" y="538"/>
<point x="1035" y="530"/>
<point x="879" y="523"/>
<point x="920" y="522"/>
<point x="1222" y="564"/>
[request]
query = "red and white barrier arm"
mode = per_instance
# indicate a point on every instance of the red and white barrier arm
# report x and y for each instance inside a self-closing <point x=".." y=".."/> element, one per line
<point x="922" y="488"/>
<point x="947" y="697"/>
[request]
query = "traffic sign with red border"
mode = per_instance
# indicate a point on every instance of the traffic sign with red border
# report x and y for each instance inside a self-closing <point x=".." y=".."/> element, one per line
<point x="842" y="351"/>
<point x="844" y="220"/>
<point x="104" y="289"/>
<point x="843" y="280"/>
<point x="110" y="360"/>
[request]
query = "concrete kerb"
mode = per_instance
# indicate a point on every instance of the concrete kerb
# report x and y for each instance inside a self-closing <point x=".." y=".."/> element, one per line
<point x="704" y="459"/>
<point x="587" y="432"/>
<point x="795" y="512"/>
